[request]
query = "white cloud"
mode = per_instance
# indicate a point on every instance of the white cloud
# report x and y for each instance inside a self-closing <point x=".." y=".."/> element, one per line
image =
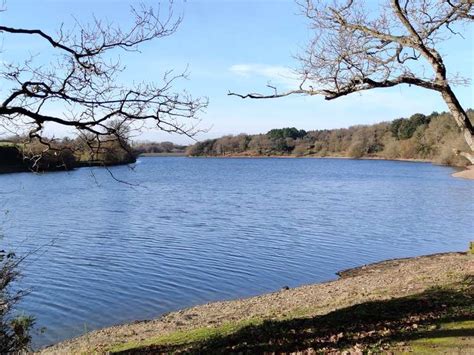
<point x="273" y="73"/>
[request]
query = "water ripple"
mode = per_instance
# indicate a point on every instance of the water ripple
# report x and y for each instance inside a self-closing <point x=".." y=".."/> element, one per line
<point x="198" y="230"/>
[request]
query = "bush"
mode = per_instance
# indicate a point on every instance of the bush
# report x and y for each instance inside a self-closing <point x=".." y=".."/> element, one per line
<point x="301" y="149"/>
<point x="391" y="149"/>
<point x="357" y="149"/>
<point x="448" y="153"/>
<point x="14" y="331"/>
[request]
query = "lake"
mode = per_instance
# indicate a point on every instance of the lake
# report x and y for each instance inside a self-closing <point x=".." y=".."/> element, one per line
<point x="191" y="231"/>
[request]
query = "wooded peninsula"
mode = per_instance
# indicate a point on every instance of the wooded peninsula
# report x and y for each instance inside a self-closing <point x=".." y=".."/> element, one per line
<point x="433" y="137"/>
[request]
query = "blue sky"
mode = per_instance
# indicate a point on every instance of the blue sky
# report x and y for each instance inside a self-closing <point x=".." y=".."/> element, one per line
<point x="238" y="45"/>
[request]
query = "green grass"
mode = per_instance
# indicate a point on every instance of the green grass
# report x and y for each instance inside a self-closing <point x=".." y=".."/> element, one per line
<point x="7" y="144"/>
<point x="453" y="337"/>
<point x="200" y="335"/>
<point x="443" y="317"/>
<point x="183" y="338"/>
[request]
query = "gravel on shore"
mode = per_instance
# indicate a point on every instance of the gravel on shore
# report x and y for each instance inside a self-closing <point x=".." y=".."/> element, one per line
<point x="468" y="173"/>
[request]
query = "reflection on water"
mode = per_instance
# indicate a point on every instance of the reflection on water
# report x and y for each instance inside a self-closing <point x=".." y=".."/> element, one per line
<point x="198" y="230"/>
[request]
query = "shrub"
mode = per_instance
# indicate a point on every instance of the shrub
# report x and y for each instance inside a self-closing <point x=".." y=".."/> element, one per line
<point x="357" y="149"/>
<point x="14" y="331"/>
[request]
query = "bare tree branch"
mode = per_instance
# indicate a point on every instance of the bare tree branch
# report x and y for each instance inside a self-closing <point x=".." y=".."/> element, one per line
<point x="355" y="48"/>
<point x="83" y="81"/>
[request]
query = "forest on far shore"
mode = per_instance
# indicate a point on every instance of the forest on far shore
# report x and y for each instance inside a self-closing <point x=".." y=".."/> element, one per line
<point x="433" y="137"/>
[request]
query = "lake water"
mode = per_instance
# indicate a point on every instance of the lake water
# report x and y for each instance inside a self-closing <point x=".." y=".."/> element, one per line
<point x="199" y="230"/>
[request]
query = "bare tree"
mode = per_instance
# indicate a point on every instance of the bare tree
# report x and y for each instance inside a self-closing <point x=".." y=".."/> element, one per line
<point x="355" y="49"/>
<point x="82" y="80"/>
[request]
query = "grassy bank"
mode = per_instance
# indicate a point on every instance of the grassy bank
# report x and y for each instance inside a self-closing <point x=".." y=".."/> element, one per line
<point x="422" y="304"/>
<point x="439" y="319"/>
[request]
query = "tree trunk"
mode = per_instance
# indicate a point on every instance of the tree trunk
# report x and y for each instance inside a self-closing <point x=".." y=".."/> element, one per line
<point x="462" y="120"/>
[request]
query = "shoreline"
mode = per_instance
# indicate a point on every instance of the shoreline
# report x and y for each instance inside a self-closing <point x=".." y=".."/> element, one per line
<point x="380" y="281"/>
<point x="466" y="173"/>
<point x="151" y="155"/>
<point x="312" y="157"/>
<point x="15" y="169"/>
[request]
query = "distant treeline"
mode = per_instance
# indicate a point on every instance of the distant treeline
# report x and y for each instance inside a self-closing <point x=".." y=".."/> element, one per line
<point x="67" y="153"/>
<point x="21" y="154"/>
<point x="434" y="137"/>
<point x="158" y="148"/>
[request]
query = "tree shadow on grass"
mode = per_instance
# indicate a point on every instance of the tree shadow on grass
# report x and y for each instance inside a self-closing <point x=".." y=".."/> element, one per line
<point x="370" y="325"/>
